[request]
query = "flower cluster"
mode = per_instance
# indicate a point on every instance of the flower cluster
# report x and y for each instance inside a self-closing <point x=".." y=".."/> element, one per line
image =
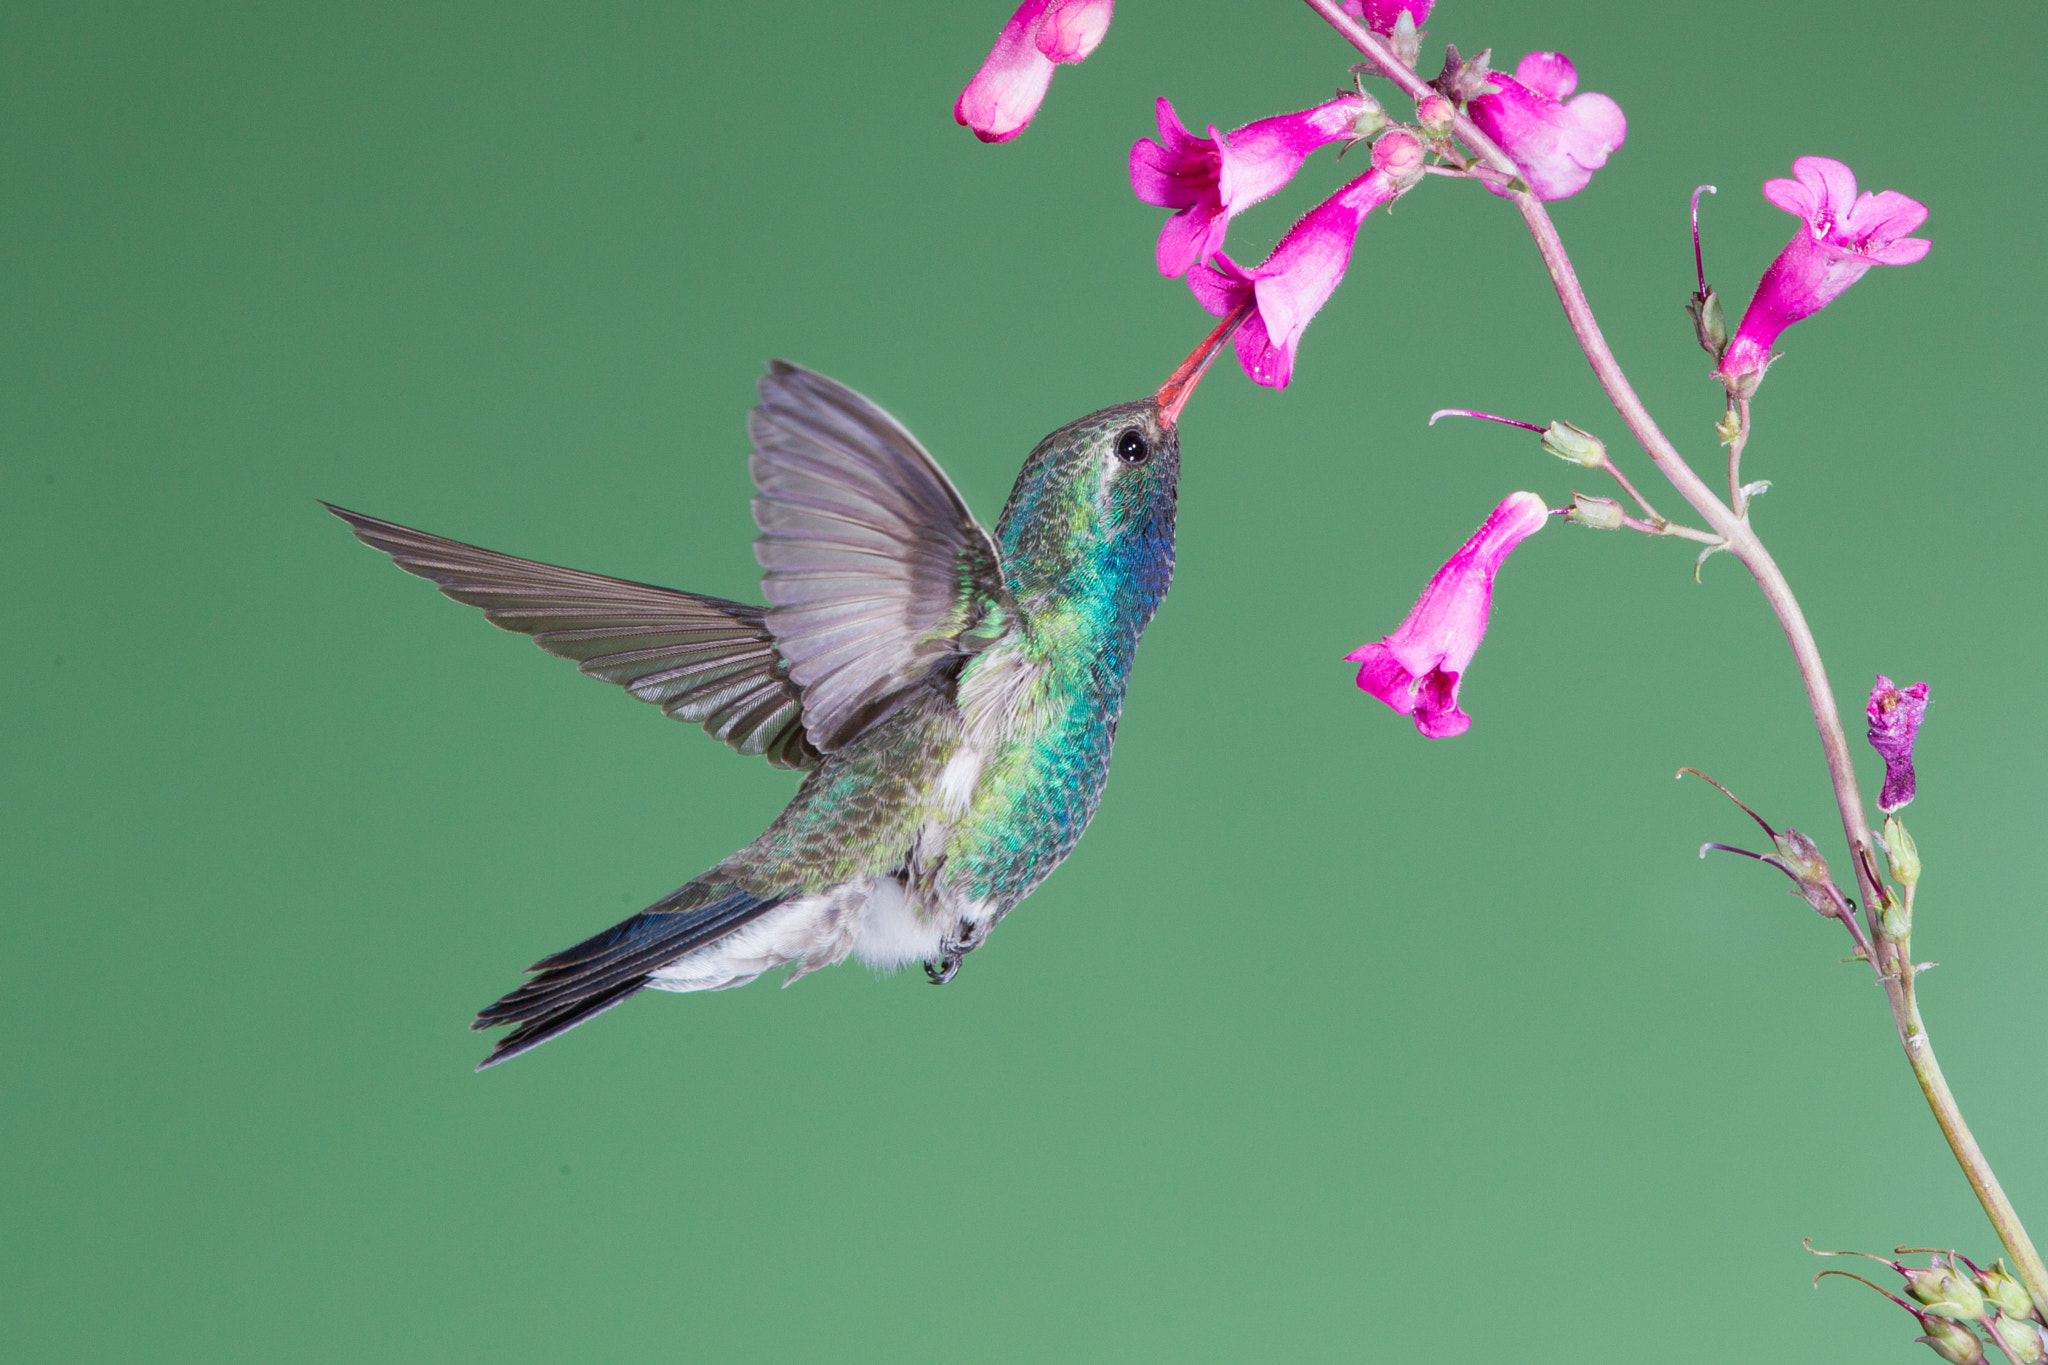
<point x="1952" y="1298"/>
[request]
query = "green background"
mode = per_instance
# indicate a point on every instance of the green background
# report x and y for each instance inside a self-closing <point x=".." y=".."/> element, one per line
<point x="1330" y="1042"/>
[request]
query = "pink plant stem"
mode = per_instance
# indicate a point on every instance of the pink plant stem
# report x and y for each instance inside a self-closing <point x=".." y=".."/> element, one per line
<point x="1895" y="971"/>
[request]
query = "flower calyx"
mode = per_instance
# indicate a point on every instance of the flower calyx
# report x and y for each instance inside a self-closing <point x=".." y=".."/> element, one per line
<point x="1795" y="855"/>
<point x="1575" y="445"/>
<point x="1602" y="514"/>
<point x="1465" y="79"/>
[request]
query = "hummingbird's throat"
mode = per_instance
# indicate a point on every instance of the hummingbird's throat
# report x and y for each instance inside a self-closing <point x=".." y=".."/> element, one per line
<point x="1173" y="394"/>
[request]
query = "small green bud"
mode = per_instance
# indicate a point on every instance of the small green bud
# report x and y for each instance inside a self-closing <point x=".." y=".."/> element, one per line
<point x="1947" y="1292"/>
<point x="1707" y="323"/>
<point x="1602" y="514"/>
<point x="1370" y="120"/>
<point x="2022" y="1340"/>
<point x="1894" y="924"/>
<point x="1903" y="853"/>
<point x="2009" y="1294"/>
<point x="1952" y="1341"/>
<point x="1574" y="444"/>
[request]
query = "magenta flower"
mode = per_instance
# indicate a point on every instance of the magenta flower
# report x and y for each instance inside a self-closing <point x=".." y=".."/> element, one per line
<point x="1845" y="234"/>
<point x="1557" y="140"/>
<point x="1895" y="714"/>
<point x="1417" y="669"/>
<point x="1212" y="179"/>
<point x="1005" y="93"/>
<point x="1381" y="15"/>
<point x="1293" y="283"/>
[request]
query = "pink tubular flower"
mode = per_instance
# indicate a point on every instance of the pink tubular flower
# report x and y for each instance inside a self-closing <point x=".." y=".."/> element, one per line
<point x="1293" y="283"/>
<point x="1895" y="714"/>
<point x="1417" y="669"/>
<point x="1844" y="235"/>
<point x="1381" y="15"/>
<point x="1005" y="93"/>
<point x="1558" y="141"/>
<point x="1212" y="179"/>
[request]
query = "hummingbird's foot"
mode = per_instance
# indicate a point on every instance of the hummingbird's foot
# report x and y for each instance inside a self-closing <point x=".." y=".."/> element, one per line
<point x="940" y="970"/>
<point x="965" y="939"/>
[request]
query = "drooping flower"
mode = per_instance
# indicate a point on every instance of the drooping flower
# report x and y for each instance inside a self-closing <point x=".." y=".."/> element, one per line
<point x="1557" y="139"/>
<point x="1292" y="284"/>
<point x="1844" y="234"/>
<point x="1895" y="714"/>
<point x="1212" y="179"/>
<point x="1418" y="668"/>
<point x="1381" y="15"/>
<point x="1006" y="92"/>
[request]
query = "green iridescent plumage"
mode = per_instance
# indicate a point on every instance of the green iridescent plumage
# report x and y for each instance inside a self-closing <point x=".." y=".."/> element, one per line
<point x="953" y="695"/>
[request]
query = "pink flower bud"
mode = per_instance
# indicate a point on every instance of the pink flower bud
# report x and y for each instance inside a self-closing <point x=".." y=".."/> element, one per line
<point x="1844" y="235"/>
<point x="1293" y="283"/>
<point x="1381" y="15"/>
<point x="1417" y="669"/>
<point x="1400" y="156"/>
<point x="1004" y="95"/>
<point x="1558" y="141"/>
<point x="1435" y="113"/>
<point x="1895" y="714"/>
<point x="1212" y="179"/>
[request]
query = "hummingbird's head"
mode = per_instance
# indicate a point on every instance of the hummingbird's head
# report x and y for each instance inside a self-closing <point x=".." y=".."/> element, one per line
<point x="1090" y="519"/>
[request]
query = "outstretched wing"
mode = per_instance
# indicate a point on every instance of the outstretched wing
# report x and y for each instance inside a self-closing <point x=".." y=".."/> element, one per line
<point x="876" y="572"/>
<point x="698" y="658"/>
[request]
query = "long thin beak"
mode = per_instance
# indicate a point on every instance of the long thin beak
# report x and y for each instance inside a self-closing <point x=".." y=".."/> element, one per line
<point x="1173" y="394"/>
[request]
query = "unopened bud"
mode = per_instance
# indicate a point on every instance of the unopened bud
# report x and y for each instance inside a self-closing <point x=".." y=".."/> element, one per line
<point x="1952" y="1341"/>
<point x="1902" y="852"/>
<point x="1575" y="444"/>
<point x="1405" y="40"/>
<point x="1946" y="1291"/>
<point x="1435" y="114"/>
<point x="2009" y="1294"/>
<point x="1399" y="155"/>
<point x="1602" y="514"/>
<point x="1707" y="322"/>
<point x="1894" y="923"/>
<point x="2022" y="1340"/>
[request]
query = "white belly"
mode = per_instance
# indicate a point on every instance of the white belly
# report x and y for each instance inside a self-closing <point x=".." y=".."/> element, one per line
<point x="871" y="919"/>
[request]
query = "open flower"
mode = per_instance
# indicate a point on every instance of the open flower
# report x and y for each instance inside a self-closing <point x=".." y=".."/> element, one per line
<point x="1417" y="669"/>
<point x="1293" y="283"/>
<point x="1381" y="15"/>
<point x="1005" y="93"/>
<point x="1843" y="236"/>
<point x="1212" y="179"/>
<point x="1557" y="139"/>
<point x="1895" y="714"/>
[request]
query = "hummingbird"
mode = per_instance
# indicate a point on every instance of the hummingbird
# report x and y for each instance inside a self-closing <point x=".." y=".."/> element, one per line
<point x="951" y="696"/>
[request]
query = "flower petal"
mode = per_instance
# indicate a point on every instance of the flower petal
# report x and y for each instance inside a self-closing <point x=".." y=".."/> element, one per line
<point x="1549" y="74"/>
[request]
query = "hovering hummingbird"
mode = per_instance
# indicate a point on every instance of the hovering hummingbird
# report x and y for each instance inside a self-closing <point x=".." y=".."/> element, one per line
<point x="952" y="695"/>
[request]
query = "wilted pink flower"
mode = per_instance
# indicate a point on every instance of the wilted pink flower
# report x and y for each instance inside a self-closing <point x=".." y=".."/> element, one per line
<point x="1895" y="714"/>
<point x="1293" y="283"/>
<point x="1845" y="234"/>
<point x="1005" y="93"/>
<point x="1417" y="669"/>
<point x="1557" y="140"/>
<point x="1381" y="15"/>
<point x="1212" y="179"/>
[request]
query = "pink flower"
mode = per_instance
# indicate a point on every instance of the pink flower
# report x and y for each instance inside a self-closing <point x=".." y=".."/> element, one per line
<point x="1212" y="179"/>
<point x="1293" y="283"/>
<point x="1557" y="141"/>
<point x="1845" y="234"/>
<point x="1005" y="93"/>
<point x="1417" y="669"/>
<point x="1895" y="714"/>
<point x="1381" y="15"/>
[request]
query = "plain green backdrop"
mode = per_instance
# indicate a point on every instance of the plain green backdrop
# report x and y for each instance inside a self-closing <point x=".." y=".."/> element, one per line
<point x="1329" y="1043"/>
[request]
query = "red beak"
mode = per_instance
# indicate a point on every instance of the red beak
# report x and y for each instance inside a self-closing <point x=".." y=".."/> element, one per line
<point x="1173" y="394"/>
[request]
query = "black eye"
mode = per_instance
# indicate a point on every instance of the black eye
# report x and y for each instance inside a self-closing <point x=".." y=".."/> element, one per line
<point x="1133" y="448"/>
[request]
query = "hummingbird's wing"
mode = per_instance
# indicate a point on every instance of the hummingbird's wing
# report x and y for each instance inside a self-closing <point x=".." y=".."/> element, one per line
<point x="876" y="571"/>
<point x="698" y="658"/>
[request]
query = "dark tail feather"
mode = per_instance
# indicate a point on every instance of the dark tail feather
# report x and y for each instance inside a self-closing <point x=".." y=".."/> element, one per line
<point x="606" y="969"/>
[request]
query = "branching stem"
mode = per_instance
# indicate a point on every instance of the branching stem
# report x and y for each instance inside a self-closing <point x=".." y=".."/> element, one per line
<point x="1891" y="962"/>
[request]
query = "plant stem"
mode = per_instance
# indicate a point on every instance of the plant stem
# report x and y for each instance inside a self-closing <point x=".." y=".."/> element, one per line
<point x="1894" y="971"/>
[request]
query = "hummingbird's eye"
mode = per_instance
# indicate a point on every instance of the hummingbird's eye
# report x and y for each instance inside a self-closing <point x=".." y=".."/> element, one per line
<point x="1132" y="447"/>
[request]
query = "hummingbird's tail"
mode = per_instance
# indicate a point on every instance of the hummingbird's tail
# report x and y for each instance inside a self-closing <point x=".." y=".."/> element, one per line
<point x="580" y="983"/>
